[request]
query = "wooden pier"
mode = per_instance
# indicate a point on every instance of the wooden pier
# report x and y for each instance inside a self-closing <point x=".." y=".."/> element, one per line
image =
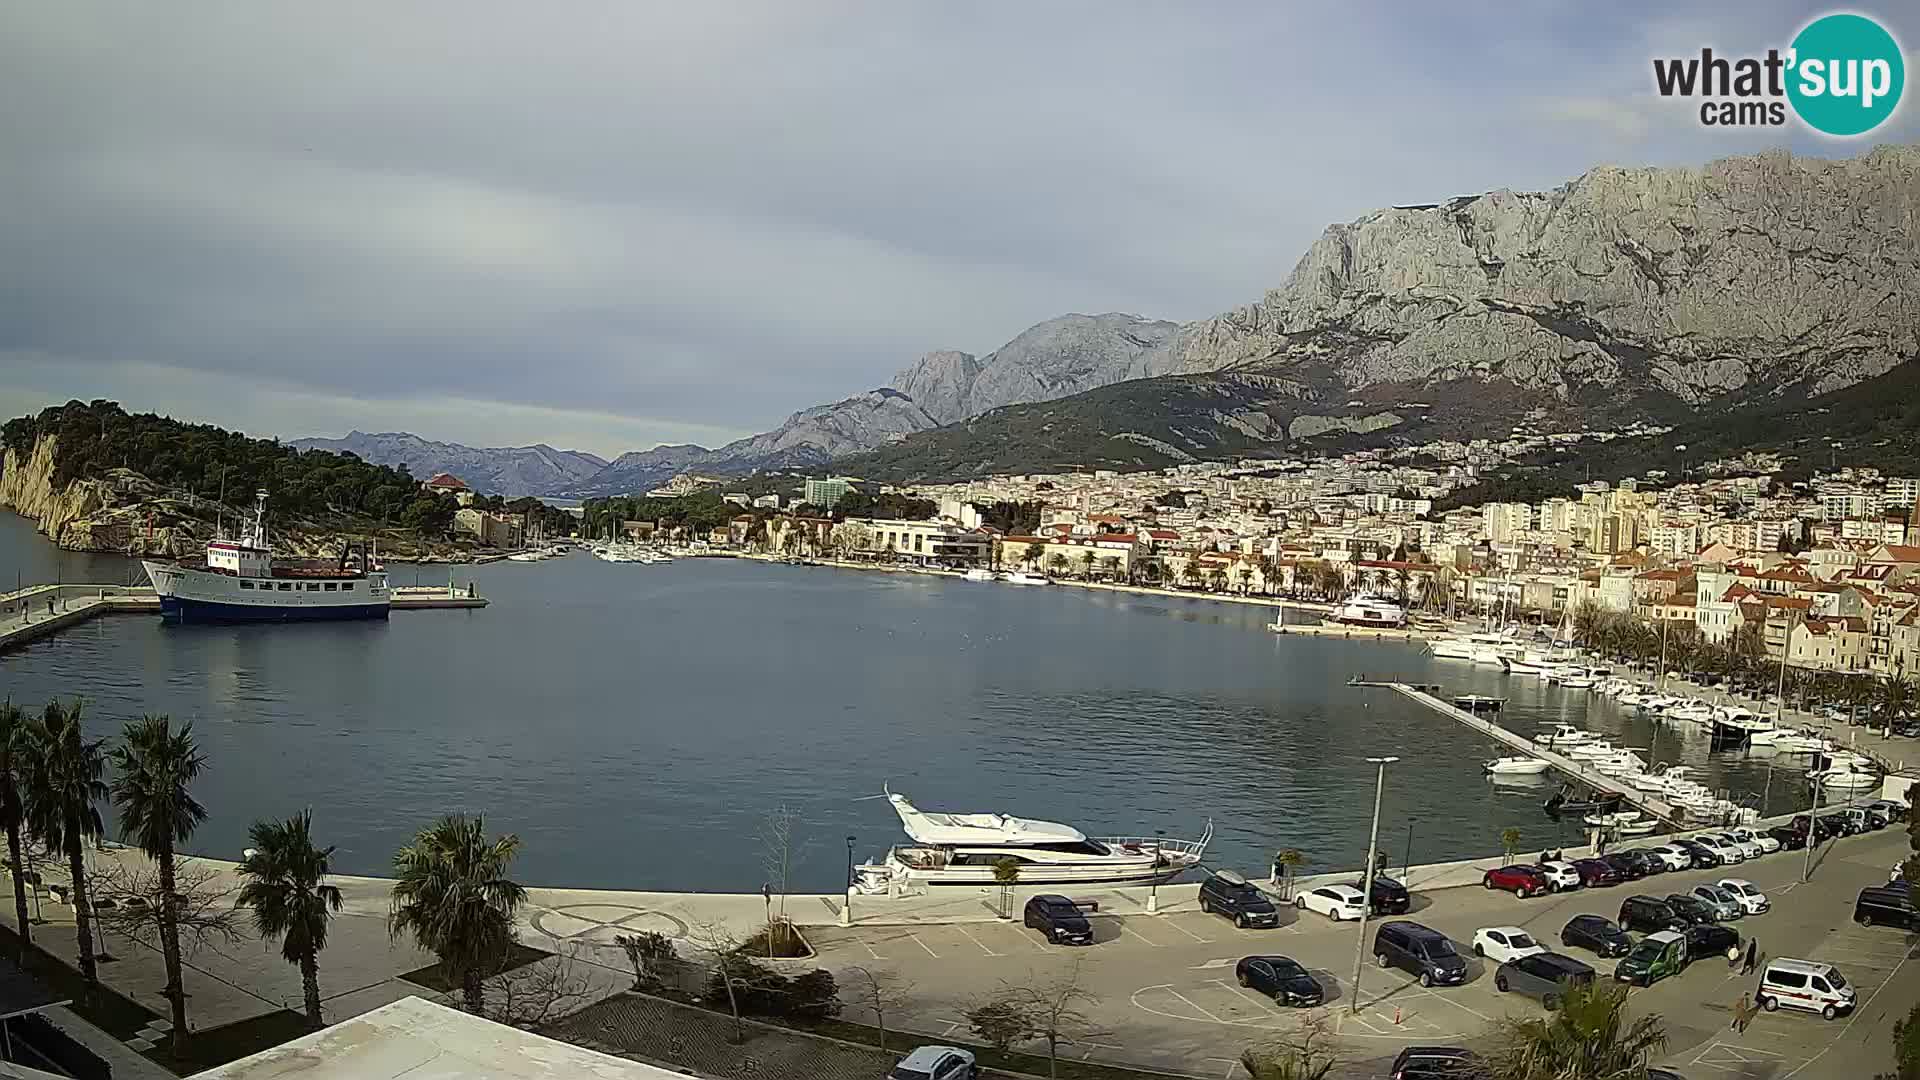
<point x="1658" y="808"/>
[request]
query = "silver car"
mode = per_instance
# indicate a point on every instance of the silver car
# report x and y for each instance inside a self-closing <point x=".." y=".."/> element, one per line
<point x="1723" y="903"/>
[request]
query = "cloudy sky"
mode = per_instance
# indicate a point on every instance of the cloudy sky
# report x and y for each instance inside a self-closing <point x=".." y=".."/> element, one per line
<point x="608" y="225"/>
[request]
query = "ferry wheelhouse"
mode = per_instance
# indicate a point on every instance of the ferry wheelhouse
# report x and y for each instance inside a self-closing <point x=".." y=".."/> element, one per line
<point x="239" y="581"/>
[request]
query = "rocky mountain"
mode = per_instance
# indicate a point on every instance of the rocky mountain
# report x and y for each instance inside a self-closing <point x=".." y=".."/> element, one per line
<point x="1055" y="358"/>
<point x="1626" y="293"/>
<point x="511" y="471"/>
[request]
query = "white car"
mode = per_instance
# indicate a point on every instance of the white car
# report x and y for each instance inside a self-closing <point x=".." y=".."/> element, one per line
<point x="1751" y="900"/>
<point x="1503" y="943"/>
<point x="1728" y="851"/>
<point x="1748" y="847"/>
<point x="1671" y="857"/>
<point x="1561" y="875"/>
<point x="1767" y="844"/>
<point x="1336" y="902"/>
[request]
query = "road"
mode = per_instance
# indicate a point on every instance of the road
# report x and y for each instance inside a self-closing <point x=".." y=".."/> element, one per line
<point x="1166" y="996"/>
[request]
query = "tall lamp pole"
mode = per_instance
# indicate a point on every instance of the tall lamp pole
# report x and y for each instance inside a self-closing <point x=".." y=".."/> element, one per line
<point x="1366" y="887"/>
<point x="846" y="909"/>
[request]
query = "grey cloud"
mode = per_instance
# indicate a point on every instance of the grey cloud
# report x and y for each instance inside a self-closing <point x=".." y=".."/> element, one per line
<point x="703" y="217"/>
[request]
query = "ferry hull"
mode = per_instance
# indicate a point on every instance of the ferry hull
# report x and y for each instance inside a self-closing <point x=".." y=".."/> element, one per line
<point x="175" y="609"/>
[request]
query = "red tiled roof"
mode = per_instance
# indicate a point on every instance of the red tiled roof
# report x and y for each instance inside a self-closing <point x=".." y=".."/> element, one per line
<point x="447" y="480"/>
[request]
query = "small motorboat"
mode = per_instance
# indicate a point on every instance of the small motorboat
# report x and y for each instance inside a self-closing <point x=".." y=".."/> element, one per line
<point x="1477" y="703"/>
<point x="1563" y="735"/>
<point x="1560" y="803"/>
<point x="1517" y="766"/>
<point x="981" y="574"/>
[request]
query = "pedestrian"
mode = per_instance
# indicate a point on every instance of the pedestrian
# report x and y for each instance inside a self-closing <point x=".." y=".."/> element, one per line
<point x="1742" y="1014"/>
<point x="1753" y="956"/>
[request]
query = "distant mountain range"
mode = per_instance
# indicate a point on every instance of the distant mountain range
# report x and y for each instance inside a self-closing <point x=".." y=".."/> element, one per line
<point x="510" y="471"/>
<point x="1625" y="294"/>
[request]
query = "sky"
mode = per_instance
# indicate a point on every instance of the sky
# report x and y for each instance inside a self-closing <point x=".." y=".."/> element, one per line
<point x="609" y="225"/>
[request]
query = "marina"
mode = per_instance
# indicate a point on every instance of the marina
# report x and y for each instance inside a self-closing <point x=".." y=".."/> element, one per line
<point x="683" y="703"/>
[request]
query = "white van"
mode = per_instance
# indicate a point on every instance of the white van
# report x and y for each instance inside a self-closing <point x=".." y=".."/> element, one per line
<point x="1804" y="984"/>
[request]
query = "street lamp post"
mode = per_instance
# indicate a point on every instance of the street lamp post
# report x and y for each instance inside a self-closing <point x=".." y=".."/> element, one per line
<point x="1366" y="886"/>
<point x="846" y="909"/>
<point x="1153" y="883"/>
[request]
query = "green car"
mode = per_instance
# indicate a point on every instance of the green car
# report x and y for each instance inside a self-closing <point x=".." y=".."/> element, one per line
<point x="1654" y="958"/>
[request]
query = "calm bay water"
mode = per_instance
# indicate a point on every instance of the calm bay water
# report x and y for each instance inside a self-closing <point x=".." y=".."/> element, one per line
<point x="635" y="724"/>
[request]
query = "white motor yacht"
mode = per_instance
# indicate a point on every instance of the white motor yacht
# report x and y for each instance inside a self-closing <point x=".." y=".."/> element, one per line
<point x="1846" y="778"/>
<point x="1803" y="741"/>
<point x="979" y="574"/>
<point x="1592" y="751"/>
<point x="1365" y="609"/>
<point x="962" y="849"/>
<point x="1022" y="577"/>
<point x="1517" y="766"/>
<point x="1564" y="736"/>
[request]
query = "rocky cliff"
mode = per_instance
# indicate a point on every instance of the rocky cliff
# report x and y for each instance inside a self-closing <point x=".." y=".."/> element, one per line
<point x="1749" y="277"/>
<point x="121" y="512"/>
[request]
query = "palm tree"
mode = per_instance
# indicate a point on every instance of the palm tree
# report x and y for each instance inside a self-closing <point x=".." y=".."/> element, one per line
<point x="155" y="764"/>
<point x="16" y="749"/>
<point x="1086" y="565"/>
<point x="1588" y="1036"/>
<point x="1057" y="563"/>
<point x="287" y="890"/>
<point x="1033" y="555"/>
<point x="63" y="785"/>
<point x="454" y="897"/>
<point x="1111" y="565"/>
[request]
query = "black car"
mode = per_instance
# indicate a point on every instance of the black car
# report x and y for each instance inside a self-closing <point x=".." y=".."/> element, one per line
<point x="1629" y="869"/>
<point x="1887" y="905"/>
<point x="1280" y="978"/>
<point x="1388" y="897"/>
<point x="1649" y="914"/>
<point x="1704" y="941"/>
<point x="1654" y="863"/>
<point x="1691" y="908"/>
<point x="1597" y="933"/>
<point x="1059" y="919"/>
<point x="1595" y="873"/>
<point x="1436" y="1063"/>
<point x="1546" y="976"/>
<point x="1227" y="893"/>
<point x="1704" y="857"/>
<point x="1791" y="839"/>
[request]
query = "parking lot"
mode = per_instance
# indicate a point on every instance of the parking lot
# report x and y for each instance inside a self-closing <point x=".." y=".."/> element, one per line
<point x="1167" y="996"/>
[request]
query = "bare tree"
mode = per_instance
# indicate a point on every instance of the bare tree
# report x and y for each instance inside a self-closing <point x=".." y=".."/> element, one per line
<point x="651" y="954"/>
<point x="777" y="855"/>
<point x="879" y="992"/>
<point x="1049" y="1009"/>
<point x="128" y="898"/>
<point x="533" y="995"/>
<point x="734" y="970"/>
<point x="1310" y="1052"/>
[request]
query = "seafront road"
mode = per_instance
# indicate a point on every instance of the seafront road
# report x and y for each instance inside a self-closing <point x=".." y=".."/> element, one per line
<point x="1164" y="982"/>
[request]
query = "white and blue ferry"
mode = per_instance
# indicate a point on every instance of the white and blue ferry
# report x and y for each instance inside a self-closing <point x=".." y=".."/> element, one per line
<point x="241" y="583"/>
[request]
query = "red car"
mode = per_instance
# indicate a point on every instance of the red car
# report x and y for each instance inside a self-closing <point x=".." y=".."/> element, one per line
<point x="1522" y="881"/>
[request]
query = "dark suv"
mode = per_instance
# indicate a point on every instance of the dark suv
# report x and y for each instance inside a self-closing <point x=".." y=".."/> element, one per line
<point x="1227" y="893"/>
<point x="1420" y="951"/>
<point x="1691" y="908"/>
<point x="1646" y="913"/>
<point x="1436" y="1063"/>
<point x="1388" y="897"/>
<point x="1059" y="919"/>
<point x="1596" y="933"/>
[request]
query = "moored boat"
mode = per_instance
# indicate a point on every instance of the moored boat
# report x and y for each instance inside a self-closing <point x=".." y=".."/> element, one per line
<point x="240" y="581"/>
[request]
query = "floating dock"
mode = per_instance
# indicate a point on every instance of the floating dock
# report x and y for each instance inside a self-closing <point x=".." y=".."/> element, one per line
<point x="1655" y="807"/>
<point x="37" y="611"/>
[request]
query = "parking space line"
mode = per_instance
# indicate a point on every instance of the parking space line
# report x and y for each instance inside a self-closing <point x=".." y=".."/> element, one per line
<point x="1356" y="1019"/>
<point x="1189" y="933"/>
<point x="1195" y="1007"/>
<point x="870" y="951"/>
<point x="1264" y="1003"/>
<point x="922" y="944"/>
<point x="1125" y="929"/>
<point x="975" y="940"/>
<point x="1442" y="997"/>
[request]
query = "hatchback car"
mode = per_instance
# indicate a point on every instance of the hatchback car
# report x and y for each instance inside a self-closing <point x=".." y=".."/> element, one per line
<point x="1544" y="976"/>
<point x="1227" y="893"/>
<point x="1791" y="839"/>
<point x="1059" y="920"/>
<point x="1720" y="901"/>
<point x="1671" y="857"/>
<point x="1503" y="943"/>
<point x="936" y="1063"/>
<point x="1336" y="902"/>
<point x="1595" y="873"/>
<point x="1691" y="908"/>
<point x="1751" y="900"/>
<point x="1280" y="978"/>
<point x="1388" y="896"/>
<point x="1561" y="875"/>
<point x="1656" y="957"/>
<point x="1728" y="852"/>
<point x="1521" y="881"/>
<point x="1629" y="869"/>
<point x="1748" y="847"/>
<point x="1597" y="933"/>
<point x="1435" y="1063"/>
<point x="1704" y="857"/>
<point x="1767" y="844"/>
